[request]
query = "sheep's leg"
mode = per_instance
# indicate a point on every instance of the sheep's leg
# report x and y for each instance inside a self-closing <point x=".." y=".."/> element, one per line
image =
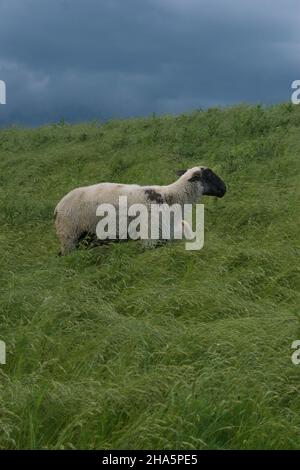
<point x="67" y="235"/>
<point x="151" y="244"/>
<point x="67" y="244"/>
<point x="67" y="231"/>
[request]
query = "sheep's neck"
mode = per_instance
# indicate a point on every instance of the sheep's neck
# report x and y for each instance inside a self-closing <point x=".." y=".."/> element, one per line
<point x="183" y="192"/>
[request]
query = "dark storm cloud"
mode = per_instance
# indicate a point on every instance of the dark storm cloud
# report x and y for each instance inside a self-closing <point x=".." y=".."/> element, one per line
<point x="86" y="59"/>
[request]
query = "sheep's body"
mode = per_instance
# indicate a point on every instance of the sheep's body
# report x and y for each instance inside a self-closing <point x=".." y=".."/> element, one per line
<point x="75" y="214"/>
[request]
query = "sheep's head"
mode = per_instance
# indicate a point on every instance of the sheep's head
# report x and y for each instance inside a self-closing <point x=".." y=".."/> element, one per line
<point x="210" y="183"/>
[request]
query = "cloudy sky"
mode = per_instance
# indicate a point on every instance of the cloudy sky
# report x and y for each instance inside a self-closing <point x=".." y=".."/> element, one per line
<point x="97" y="59"/>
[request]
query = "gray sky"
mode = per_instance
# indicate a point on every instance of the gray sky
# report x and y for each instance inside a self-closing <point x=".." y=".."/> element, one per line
<point x="89" y="59"/>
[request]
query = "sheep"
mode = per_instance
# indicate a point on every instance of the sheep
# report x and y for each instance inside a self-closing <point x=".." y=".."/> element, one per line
<point x="75" y="214"/>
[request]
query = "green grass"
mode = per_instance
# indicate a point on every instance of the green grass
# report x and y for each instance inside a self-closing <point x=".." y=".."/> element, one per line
<point x="121" y="347"/>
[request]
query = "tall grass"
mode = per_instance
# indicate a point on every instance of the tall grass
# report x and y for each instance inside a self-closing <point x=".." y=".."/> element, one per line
<point x="122" y="347"/>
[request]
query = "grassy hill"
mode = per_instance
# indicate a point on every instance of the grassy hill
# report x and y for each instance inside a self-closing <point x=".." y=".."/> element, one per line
<point x="122" y="347"/>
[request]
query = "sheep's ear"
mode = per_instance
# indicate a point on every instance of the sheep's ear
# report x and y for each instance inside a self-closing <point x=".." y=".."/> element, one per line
<point x="180" y="172"/>
<point x="195" y="177"/>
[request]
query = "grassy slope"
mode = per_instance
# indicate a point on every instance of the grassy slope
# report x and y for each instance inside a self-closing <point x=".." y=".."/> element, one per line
<point x="118" y="347"/>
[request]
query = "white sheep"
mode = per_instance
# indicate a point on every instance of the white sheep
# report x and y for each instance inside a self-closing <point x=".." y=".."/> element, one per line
<point x="75" y="215"/>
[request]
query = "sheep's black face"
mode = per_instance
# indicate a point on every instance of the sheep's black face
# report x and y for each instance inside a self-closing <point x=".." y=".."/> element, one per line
<point x="212" y="184"/>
